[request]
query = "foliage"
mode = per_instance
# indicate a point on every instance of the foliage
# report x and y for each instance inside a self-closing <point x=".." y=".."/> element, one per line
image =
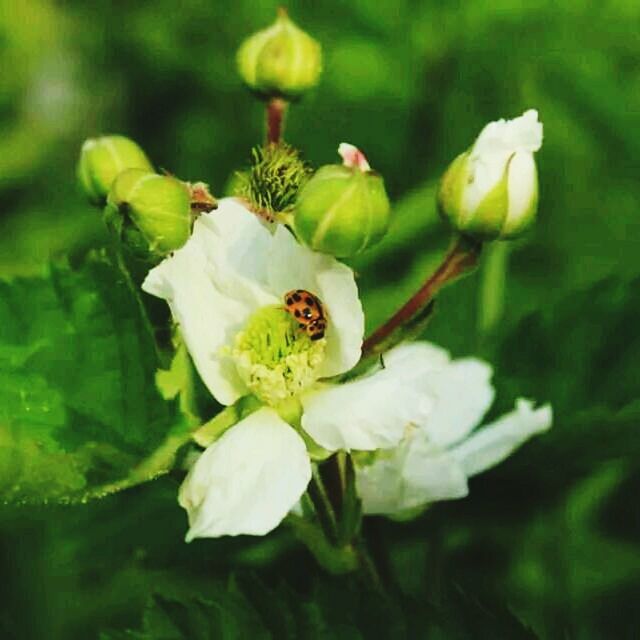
<point x="78" y="404"/>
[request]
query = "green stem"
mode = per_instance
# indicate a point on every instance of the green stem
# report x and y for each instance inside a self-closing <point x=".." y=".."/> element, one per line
<point x="367" y="566"/>
<point x="492" y="286"/>
<point x="188" y="403"/>
<point x="323" y="506"/>
<point x="334" y="559"/>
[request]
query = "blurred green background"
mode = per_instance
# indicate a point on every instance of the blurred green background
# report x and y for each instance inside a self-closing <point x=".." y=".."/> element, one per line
<point x="548" y="544"/>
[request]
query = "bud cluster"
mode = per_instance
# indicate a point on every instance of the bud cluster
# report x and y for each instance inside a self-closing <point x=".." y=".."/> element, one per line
<point x="151" y="214"/>
<point x="488" y="192"/>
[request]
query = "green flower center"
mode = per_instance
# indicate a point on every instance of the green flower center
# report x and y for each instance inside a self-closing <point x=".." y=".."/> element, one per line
<point x="275" y="357"/>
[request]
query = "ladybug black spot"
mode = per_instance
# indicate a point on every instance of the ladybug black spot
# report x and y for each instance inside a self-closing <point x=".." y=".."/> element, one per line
<point x="309" y="301"/>
<point x="289" y="301"/>
<point x="296" y="313"/>
<point x="306" y="312"/>
<point x="297" y="297"/>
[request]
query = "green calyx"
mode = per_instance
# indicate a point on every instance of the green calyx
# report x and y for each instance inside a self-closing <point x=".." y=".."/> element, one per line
<point x="275" y="357"/>
<point x="150" y="213"/>
<point x="280" y="61"/>
<point x="342" y="211"/>
<point x="102" y="159"/>
<point x="273" y="181"/>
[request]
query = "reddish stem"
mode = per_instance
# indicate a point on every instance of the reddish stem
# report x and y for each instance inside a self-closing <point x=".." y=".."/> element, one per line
<point x="462" y="257"/>
<point x="276" y="111"/>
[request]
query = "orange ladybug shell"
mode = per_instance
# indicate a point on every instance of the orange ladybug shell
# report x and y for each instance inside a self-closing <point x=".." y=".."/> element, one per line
<point x="308" y="311"/>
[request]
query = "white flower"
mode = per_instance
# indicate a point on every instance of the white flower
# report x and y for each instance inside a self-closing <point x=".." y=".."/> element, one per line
<point x="233" y="266"/>
<point x="492" y="190"/>
<point x="225" y="289"/>
<point x="438" y="455"/>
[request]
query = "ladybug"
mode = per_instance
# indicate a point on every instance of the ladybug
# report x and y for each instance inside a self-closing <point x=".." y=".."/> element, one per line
<point x="308" y="311"/>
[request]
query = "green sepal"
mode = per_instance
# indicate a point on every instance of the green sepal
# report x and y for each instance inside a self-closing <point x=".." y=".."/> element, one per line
<point x="451" y="189"/>
<point x="485" y="222"/>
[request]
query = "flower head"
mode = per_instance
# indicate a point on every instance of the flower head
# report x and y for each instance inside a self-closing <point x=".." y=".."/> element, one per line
<point x="275" y="359"/>
<point x="221" y="284"/>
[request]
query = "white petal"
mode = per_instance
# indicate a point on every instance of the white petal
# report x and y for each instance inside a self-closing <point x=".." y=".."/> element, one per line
<point x="411" y="475"/>
<point x="493" y="443"/>
<point x="213" y="284"/>
<point x="247" y="481"/>
<point x="417" y="357"/>
<point x="523" y="183"/>
<point x="292" y="266"/>
<point x="493" y="149"/>
<point x="373" y="412"/>
<point x="462" y="394"/>
<point x="519" y="134"/>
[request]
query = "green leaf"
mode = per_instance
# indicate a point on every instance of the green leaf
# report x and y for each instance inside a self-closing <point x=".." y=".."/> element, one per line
<point x="78" y="402"/>
<point x="222" y="614"/>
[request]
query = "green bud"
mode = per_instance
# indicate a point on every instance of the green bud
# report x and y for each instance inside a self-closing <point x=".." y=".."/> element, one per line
<point x="281" y="60"/>
<point x="102" y="159"/>
<point x="342" y="210"/>
<point x="151" y="213"/>
<point x="491" y="191"/>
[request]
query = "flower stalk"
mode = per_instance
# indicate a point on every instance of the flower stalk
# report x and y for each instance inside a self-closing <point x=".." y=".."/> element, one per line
<point x="276" y="111"/>
<point x="461" y="259"/>
<point x="337" y="543"/>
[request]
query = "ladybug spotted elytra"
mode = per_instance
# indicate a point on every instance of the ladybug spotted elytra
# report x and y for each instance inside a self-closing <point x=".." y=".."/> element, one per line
<point x="308" y="311"/>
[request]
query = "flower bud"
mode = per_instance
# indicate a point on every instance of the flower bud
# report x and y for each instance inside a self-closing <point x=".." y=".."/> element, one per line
<point x="102" y="159"/>
<point x="491" y="191"/>
<point x="281" y="60"/>
<point x="151" y="213"/>
<point x="343" y="209"/>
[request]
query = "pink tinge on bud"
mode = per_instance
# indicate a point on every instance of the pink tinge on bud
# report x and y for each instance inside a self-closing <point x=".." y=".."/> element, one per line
<point x="353" y="157"/>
